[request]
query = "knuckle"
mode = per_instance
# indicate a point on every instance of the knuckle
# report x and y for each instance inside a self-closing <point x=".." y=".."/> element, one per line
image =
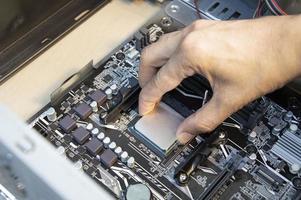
<point x="163" y="77"/>
<point x="195" y="25"/>
<point x="199" y="24"/>
<point x="204" y="125"/>
<point x="157" y="82"/>
<point x="228" y="104"/>
<point x="164" y="38"/>
<point x="143" y="95"/>
<point x="189" y="44"/>
<point x="166" y="80"/>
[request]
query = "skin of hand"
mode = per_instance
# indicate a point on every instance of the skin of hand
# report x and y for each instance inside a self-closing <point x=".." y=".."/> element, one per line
<point x="242" y="61"/>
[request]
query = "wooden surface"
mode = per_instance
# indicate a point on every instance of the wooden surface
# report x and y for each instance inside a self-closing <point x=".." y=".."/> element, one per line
<point x="28" y="90"/>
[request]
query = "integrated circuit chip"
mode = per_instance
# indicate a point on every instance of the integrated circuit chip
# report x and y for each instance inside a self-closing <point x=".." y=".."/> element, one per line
<point x="158" y="129"/>
<point x="107" y="78"/>
<point x="81" y="135"/>
<point x="83" y="110"/>
<point x="94" y="146"/>
<point x="99" y="96"/>
<point x="67" y="124"/>
<point x="108" y="158"/>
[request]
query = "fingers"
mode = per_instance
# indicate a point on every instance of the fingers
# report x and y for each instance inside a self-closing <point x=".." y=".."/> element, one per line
<point x="156" y="55"/>
<point x="167" y="78"/>
<point x="204" y="120"/>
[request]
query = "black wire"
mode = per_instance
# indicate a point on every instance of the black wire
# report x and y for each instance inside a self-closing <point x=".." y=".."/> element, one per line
<point x="272" y="7"/>
<point x="197" y="7"/>
<point x="256" y="12"/>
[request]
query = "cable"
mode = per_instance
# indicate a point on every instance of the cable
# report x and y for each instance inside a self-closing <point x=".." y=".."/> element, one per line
<point x="261" y="9"/>
<point x="257" y="9"/>
<point x="271" y="8"/>
<point x="197" y="7"/>
<point x="278" y="7"/>
<point x="274" y="7"/>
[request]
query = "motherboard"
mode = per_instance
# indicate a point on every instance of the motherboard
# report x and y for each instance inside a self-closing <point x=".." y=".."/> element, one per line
<point x="93" y="120"/>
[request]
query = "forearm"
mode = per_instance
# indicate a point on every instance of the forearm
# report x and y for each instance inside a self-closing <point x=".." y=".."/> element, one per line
<point x="287" y="44"/>
<point x="294" y="37"/>
<point x="274" y="50"/>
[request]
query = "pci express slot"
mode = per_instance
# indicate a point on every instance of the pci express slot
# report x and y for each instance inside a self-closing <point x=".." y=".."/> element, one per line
<point x="268" y="176"/>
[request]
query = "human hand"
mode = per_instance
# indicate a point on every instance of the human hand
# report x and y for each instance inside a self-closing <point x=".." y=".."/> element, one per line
<point x="242" y="61"/>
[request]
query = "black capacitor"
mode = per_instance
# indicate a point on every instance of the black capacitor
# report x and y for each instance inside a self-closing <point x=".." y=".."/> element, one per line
<point x="120" y="56"/>
<point x="297" y="182"/>
<point x="139" y="41"/>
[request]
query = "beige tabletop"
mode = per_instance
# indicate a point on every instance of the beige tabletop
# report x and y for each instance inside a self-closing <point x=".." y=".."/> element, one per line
<point x="28" y="90"/>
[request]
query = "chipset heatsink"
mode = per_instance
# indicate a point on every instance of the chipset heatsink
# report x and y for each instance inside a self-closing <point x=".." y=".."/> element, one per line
<point x="158" y="129"/>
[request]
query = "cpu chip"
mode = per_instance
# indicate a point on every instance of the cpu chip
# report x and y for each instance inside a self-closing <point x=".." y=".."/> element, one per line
<point x="158" y="129"/>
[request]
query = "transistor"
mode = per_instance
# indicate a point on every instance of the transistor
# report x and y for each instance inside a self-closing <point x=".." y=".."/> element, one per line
<point x="83" y="110"/>
<point x="94" y="146"/>
<point x="98" y="96"/>
<point x="67" y="124"/>
<point x="108" y="158"/>
<point x="81" y="135"/>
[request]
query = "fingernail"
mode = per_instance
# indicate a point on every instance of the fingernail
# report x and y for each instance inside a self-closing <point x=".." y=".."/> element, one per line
<point x="184" y="137"/>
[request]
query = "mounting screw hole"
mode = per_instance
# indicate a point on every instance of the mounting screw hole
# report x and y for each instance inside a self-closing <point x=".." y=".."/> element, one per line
<point x="174" y="8"/>
<point x="166" y="21"/>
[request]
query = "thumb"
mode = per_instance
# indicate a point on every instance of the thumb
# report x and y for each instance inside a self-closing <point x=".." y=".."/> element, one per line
<point x="204" y="120"/>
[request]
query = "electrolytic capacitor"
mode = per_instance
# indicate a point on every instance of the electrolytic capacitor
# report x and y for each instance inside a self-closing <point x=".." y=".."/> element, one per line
<point x="112" y="145"/>
<point x="293" y="128"/>
<point x="109" y="93"/>
<point x="288" y="116"/>
<point x="276" y="130"/>
<point x="294" y="168"/>
<point x="114" y="89"/>
<point x="89" y="127"/>
<point x="51" y="114"/>
<point x="130" y="162"/>
<point x="101" y="136"/>
<point x="106" y="141"/>
<point x="118" y="151"/>
<point x="252" y="136"/>
<point x="124" y="156"/>
<point x="95" y="131"/>
<point x="94" y="106"/>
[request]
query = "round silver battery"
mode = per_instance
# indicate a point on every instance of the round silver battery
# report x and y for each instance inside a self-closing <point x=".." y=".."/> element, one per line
<point x="138" y="192"/>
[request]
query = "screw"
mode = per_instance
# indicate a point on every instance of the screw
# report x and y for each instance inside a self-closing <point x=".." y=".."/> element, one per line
<point x="183" y="178"/>
<point x="166" y="21"/>
<point x="222" y="135"/>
